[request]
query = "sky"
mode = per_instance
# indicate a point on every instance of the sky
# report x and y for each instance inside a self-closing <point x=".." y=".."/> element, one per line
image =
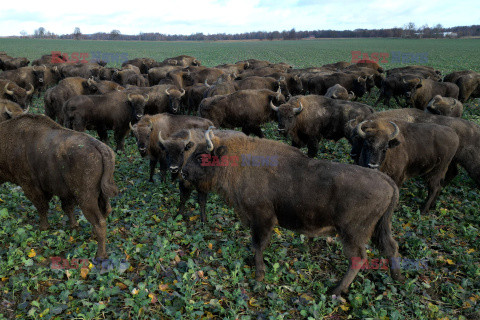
<point x="229" y="16"/>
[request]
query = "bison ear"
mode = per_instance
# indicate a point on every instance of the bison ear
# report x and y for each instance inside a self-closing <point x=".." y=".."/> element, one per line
<point x="189" y="145"/>
<point x="393" y="143"/>
<point x="221" y="151"/>
<point x="418" y="85"/>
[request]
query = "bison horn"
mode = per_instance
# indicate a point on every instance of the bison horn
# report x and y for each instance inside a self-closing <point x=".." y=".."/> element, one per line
<point x="89" y="81"/>
<point x="166" y="91"/>
<point x="33" y="68"/>
<point x="9" y="92"/>
<point x="44" y="67"/>
<point x="403" y="80"/>
<point x="129" y="97"/>
<point x="183" y="92"/>
<point x="189" y="138"/>
<point x="55" y="68"/>
<point x="29" y="92"/>
<point x="26" y="110"/>
<point x="160" y="137"/>
<point x="360" y="132"/>
<point x="334" y="95"/>
<point x="395" y="132"/>
<point x="282" y="78"/>
<point x="147" y="97"/>
<point x="352" y="95"/>
<point x="454" y="102"/>
<point x="206" y="83"/>
<point x="208" y="138"/>
<point x="358" y="79"/>
<point x="273" y="106"/>
<point x="10" y="114"/>
<point x="299" y="109"/>
<point x="131" y="127"/>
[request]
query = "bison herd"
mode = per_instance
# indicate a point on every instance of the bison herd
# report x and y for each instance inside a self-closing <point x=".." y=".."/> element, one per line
<point x="172" y="108"/>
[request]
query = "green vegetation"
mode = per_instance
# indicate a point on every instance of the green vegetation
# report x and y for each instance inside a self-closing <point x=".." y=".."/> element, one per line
<point x="178" y="268"/>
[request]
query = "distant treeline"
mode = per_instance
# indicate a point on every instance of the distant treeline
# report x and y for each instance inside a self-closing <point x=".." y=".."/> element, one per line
<point x="408" y="31"/>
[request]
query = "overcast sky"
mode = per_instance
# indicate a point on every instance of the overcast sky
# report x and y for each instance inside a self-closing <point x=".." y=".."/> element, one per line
<point x="229" y="16"/>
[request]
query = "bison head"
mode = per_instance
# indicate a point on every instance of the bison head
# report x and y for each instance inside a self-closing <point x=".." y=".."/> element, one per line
<point x="360" y="86"/>
<point x="378" y="136"/>
<point x="142" y="131"/>
<point x="137" y="102"/>
<point x="411" y="86"/>
<point x="174" y="99"/>
<point x="39" y="75"/>
<point x="286" y="115"/>
<point x="339" y="92"/>
<point x="444" y="106"/>
<point x="17" y="94"/>
<point x="177" y="148"/>
<point x="9" y="110"/>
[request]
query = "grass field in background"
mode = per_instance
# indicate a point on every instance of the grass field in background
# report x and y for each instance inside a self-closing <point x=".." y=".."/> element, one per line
<point x="175" y="267"/>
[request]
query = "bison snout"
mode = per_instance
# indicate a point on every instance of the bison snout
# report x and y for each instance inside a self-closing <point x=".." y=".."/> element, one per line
<point x="138" y="116"/>
<point x="174" y="169"/>
<point x="373" y="166"/>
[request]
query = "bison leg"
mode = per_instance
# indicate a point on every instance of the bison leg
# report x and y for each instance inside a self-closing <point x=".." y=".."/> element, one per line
<point x="378" y="100"/>
<point x="92" y="212"/>
<point x="102" y="133"/>
<point x="352" y="251"/>
<point x="68" y="206"/>
<point x="312" y="146"/>
<point x="202" y="201"/>
<point x="257" y="131"/>
<point x="452" y="172"/>
<point x="184" y="196"/>
<point x="153" y="164"/>
<point x="119" y="137"/>
<point x="261" y="233"/>
<point x="40" y="201"/>
<point x="398" y="102"/>
<point x="434" y="188"/>
<point x="246" y="130"/>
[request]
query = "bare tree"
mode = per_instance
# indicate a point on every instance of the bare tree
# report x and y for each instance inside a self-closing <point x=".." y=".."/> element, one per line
<point x="114" y="34"/>
<point x="77" y="33"/>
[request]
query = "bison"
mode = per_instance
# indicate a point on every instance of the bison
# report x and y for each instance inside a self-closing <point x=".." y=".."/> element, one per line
<point x="147" y="133"/>
<point x="45" y="159"/>
<point x="247" y="109"/>
<point x="421" y="91"/>
<point x="9" y="109"/>
<point x="406" y="150"/>
<point x="339" y="92"/>
<point x="111" y="111"/>
<point x="11" y="91"/>
<point x="313" y="197"/>
<point x="445" y="106"/>
<point x="307" y="119"/>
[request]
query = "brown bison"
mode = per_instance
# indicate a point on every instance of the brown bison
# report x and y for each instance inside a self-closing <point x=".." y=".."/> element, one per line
<point x="351" y="82"/>
<point x="248" y="109"/>
<point x="147" y="132"/>
<point x="445" y="106"/>
<point x="162" y="98"/>
<point x="339" y="92"/>
<point x="11" y="91"/>
<point x="9" y="63"/>
<point x="308" y="119"/>
<point x="313" y="197"/>
<point x="178" y="148"/>
<point x="111" y="111"/>
<point x="26" y="76"/>
<point x="10" y="109"/>
<point x="406" y="150"/>
<point x="183" y="61"/>
<point x="420" y="91"/>
<point x="45" y="159"/>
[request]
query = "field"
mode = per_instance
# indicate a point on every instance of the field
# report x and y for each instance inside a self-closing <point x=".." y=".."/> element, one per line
<point x="169" y="266"/>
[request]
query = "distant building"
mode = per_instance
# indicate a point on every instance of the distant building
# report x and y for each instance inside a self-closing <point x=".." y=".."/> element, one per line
<point x="450" y="34"/>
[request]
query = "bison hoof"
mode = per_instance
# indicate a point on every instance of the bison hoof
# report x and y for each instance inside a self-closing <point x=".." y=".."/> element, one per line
<point x="337" y="292"/>
<point x="259" y="275"/>
<point x="44" y="227"/>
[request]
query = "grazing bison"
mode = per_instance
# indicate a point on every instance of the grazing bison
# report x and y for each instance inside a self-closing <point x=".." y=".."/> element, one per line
<point x="247" y="109"/>
<point x="129" y="76"/>
<point x="111" y="111"/>
<point x="351" y="82"/>
<point x="183" y="61"/>
<point x="339" y="92"/>
<point x="178" y="148"/>
<point x="26" y="76"/>
<point x="256" y="82"/>
<point x="13" y="63"/>
<point x="313" y="197"/>
<point x="406" y="150"/>
<point x="421" y="91"/>
<point x="194" y="95"/>
<point x="221" y="87"/>
<point x="9" y="109"/>
<point x="445" y="106"/>
<point x="45" y="159"/>
<point x="393" y="86"/>
<point x="423" y="72"/>
<point x="469" y="86"/>
<point x="11" y="91"/>
<point x="468" y="151"/>
<point x="307" y="119"/>
<point x="157" y="74"/>
<point x="147" y="133"/>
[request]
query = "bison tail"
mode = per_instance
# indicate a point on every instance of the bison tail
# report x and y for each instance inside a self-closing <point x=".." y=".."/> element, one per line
<point x="382" y="235"/>
<point x="107" y="184"/>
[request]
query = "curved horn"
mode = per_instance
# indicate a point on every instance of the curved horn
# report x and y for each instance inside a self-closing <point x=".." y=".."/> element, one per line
<point x="146" y="98"/>
<point x="26" y="110"/>
<point x="206" y="83"/>
<point x="208" y="138"/>
<point x="160" y="137"/>
<point x="334" y="95"/>
<point x="89" y="81"/>
<point x="10" y="114"/>
<point x="9" y="92"/>
<point x="166" y="91"/>
<point x="454" y="102"/>
<point x="55" y="68"/>
<point x="352" y="95"/>
<point x="29" y="92"/>
<point x="273" y="106"/>
<point x="403" y="80"/>
<point x="299" y="109"/>
<point x="44" y="67"/>
<point x="395" y="132"/>
<point x="183" y="93"/>
<point x="360" y="132"/>
<point x="282" y="78"/>
<point x="358" y="79"/>
<point x="131" y="127"/>
<point x="129" y="97"/>
<point x="33" y="68"/>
